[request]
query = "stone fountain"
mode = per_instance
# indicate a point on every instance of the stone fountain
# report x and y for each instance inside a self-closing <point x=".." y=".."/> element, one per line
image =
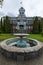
<point x="20" y="48"/>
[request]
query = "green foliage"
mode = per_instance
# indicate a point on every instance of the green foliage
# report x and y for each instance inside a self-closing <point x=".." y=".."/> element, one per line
<point x="36" y="25"/>
<point x="7" y="27"/>
<point x="42" y="26"/>
<point x="1" y="26"/>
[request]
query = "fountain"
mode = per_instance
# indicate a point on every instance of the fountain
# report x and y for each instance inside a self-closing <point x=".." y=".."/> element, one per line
<point x="20" y="48"/>
<point x="21" y="42"/>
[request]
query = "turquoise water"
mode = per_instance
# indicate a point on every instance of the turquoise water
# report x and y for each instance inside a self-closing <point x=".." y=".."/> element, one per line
<point x="19" y="43"/>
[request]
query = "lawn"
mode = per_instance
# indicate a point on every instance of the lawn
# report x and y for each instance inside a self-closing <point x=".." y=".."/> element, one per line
<point x="38" y="37"/>
<point x="5" y="36"/>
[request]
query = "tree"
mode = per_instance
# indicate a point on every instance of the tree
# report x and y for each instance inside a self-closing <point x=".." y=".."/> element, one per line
<point x="42" y="26"/>
<point x="1" y="26"/>
<point x="7" y="27"/>
<point x="36" y="25"/>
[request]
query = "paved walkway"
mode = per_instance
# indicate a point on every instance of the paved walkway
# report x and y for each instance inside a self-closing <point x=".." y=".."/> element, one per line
<point x="37" y="61"/>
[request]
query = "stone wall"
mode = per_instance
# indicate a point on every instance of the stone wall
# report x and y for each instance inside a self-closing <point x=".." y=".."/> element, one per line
<point x="21" y="56"/>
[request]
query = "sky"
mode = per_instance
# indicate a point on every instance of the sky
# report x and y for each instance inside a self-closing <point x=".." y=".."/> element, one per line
<point x="32" y="7"/>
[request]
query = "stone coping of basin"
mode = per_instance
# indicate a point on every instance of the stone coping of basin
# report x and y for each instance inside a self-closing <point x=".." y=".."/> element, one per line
<point x="17" y="49"/>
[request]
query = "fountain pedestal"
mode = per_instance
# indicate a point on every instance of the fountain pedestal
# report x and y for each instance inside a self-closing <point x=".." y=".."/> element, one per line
<point x="21" y="43"/>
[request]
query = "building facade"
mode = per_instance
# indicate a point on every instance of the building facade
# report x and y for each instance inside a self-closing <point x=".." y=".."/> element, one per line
<point x="21" y="23"/>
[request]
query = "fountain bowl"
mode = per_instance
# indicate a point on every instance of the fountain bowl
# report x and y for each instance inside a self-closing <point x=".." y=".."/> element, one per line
<point x="20" y="34"/>
<point x="10" y="49"/>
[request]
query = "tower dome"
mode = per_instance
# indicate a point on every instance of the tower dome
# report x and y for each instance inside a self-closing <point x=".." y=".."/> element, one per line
<point x="22" y="12"/>
<point x="21" y="9"/>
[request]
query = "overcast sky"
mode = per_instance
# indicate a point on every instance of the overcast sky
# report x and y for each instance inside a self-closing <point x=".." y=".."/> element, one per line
<point x="32" y="7"/>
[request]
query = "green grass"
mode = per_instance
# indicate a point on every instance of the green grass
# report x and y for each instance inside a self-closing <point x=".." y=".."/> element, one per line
<point x="38" y="37"/>
<point x="5" y="36"/>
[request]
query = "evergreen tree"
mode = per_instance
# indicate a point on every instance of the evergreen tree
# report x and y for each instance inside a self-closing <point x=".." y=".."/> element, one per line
<point x="36" y="25"/>
<point x="7" y="27"/>
<point x="42" y="26"/>
<point x="4" y="26"/>
<point x="1" y="26"/>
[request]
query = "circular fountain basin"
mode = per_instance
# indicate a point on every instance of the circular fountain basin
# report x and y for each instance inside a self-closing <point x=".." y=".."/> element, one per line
<point x="13" y="48"/>
<point x="14" y="45"/>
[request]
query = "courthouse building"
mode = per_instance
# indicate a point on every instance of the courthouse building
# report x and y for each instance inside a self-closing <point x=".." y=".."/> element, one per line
<point x="21" y="23"/>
